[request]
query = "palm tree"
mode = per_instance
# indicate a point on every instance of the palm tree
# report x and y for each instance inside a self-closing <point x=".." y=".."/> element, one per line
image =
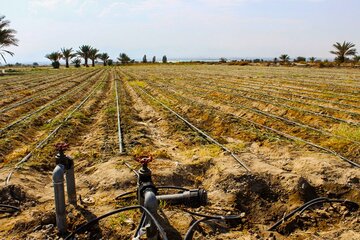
<point x="54" y="57"/>
<point x="124" y="58"/>
<point x="7" y="37"/>
<point x="84" y="52"/>
<point x="67" y="55"/>
<point x="284" y="57"/>
<point x="312" y="59"/>
<point x="343" y="50"/>
<point x="77" y="62"/>
<point x="93" y="55"/>
<point x="104" y="57"/>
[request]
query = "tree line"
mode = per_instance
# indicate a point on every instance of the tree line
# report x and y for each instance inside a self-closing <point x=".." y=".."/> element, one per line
<point x="344" y="52"/>
<point x="87" y="52"/>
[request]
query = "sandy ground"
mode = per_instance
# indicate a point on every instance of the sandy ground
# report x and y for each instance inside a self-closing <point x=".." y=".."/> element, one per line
<point x="283" y="176"/>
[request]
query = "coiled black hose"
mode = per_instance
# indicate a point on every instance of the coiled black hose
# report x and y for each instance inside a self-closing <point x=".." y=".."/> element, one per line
<point x="189" y="233"/>
<point x="302" y="208"/>
<point x="86" y="225"/>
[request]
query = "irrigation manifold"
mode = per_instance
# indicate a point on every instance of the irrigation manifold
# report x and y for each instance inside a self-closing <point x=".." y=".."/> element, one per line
<point x="148" y="199"/>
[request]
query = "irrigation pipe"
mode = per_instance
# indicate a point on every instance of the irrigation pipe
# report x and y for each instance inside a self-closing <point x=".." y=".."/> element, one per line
<point x="8" y="208"/>
<point x="259" y="112"/>
<point x="206" y="136"/>
<point x="121" y="148"/>
<point x="302" y="208"/>
<point x="189" y="233"/>
<point x="86" y="225"/>
<point x="44" y="141"/>
<point x="291" y="137"/>
<point x="42" y="108"/>
<point x="40" y="94"/>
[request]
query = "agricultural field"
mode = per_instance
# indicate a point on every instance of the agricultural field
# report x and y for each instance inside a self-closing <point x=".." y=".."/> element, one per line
<point x="261" y="141"/>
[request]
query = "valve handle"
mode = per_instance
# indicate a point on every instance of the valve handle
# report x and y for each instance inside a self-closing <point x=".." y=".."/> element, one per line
<point x="144" y="159"/>
<point x="61" y="147"/>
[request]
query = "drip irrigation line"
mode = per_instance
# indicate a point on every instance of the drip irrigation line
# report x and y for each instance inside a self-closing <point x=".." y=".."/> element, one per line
<point x="54" y="82"/>
<point x="42" y="108"/>
<point x="282" y="91"/>
<point x="121" y="149"/>
<point x="4" y="208"/>
<point x="189" y="233"/>
<point x="91" y="222"/>
<point x="206" y="136"/>
<point x="259" y="112"/>
<point x="121" y="144"/>
<point x="275" y="103"/>
<point x="289" y="136"/>
<point x="131" y="168"/>
<point x="40" y="94"/>
<point x="52" y="133"/>
<point x="306" y="206"/>
<point x="301" y="102"/>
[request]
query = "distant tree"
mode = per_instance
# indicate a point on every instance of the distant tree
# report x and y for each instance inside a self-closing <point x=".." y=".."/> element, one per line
<point x="154" y="59"/>
<point x="256" y="60"/>
<point x="77" y="62"/>
<point x="104" y="57"/>
<point x="144" y="59"/>
<point x="35" y="64"/>
<point x="54" y="57"/>
<point x="7" y="37"/>
<point x="275" y="60"/>
<point x="284" y="58"/>
<point x="84" y="52"/>
<point x="67" y="54"/>
<point x="343" y="50"/>
<point x="164" y="59"/>
<point x="312" y="59"/>
<point x="300" y="59"/>
<point x="110" y="62"/>
<point x="93" y="55"/>
<point x="222" y="60"/>
<point x="123" y="58"/>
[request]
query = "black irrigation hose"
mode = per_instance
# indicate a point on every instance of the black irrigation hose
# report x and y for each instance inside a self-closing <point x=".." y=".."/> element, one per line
<point x="189" y="233"/>
<point x="302" y="208"/>
<point x="8" y="208"/>
<point x="83" y="227"/>
<point x="124" y="194"/>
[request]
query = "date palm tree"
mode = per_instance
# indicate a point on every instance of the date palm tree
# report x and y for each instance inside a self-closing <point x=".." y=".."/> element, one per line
<point x="7" y="37"/>
<point x="343" y="50"/>
<point x="124" y="58"/>
<point x="84" y="52"/>
<point x="104" y="57"/>
<point x="93" y="55"/>
<point x="312" y="59"/>
<point x="77" y="62"/>
<point x="284" y="58"/>
<point x="54" y="57"/>
<point x="67" y="54"/>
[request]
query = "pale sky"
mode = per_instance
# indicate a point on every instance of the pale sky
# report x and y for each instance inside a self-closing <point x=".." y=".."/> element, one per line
<point x="182" y="28"/>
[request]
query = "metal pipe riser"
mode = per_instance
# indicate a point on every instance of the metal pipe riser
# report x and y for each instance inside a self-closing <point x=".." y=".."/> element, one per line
<point x="60" y="207"/>
<point x="193" y="198"/>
